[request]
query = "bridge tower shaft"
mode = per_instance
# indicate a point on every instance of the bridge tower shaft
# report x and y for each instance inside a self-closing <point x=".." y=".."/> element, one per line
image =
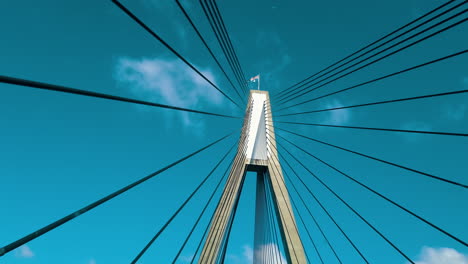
<point x="256" y="152"/>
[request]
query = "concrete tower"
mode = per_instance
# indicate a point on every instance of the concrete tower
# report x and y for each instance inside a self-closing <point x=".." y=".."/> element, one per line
<point x="256" y="152"/>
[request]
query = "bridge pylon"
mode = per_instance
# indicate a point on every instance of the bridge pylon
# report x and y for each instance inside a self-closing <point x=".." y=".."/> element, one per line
<point x="256" y="152"/>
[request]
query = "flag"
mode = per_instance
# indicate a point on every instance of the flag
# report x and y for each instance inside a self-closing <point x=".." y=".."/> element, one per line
<point x="255" y="78"/>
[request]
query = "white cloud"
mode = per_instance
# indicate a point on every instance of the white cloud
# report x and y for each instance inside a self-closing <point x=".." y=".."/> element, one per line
<point x="92" y="261"/>
<point x="248" y="254"/>
<point x="168" y="81"/>
<point x="186" y="259"/>
<point x="441" y="256"/>
<point x="336" y="117"/>
<point x="24" y="252"/>
<point x="270" y="250"/>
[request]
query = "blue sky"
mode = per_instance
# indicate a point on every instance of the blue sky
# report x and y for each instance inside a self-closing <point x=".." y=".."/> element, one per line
<point x="60" y="152"/>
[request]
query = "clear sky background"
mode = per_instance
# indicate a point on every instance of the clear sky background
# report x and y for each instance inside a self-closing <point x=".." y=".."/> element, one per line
<point x="59" y="152"/>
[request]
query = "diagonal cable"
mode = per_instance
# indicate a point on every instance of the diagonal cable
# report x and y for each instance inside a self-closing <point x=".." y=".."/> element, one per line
<point x="207" y="228"/>
<point x="285" y="230"/>
<point x="95" y="204"/>
<point x="379" y="79"/>
<point x="273" y="218"/>
<point x="228" y="40"/>
<point x="176" y="213"/>
<point x="382" y="196"/>
<point x="347" y="205"/>
<point x="388" y="48"/>
<point x="303" y="90"/>
<point x="387" y="55"/>
<point x="207" y="47"/>
<point x="307" y="230"/>
<point x="310" y="213"/>
<point x="227" y="235"/>
<point x="278" y="95"/>
<point x="380" y="129"/>
<point x="64" y="89"/>
<point x="221" y="36"/>
<point x="321" y="206"/>
<point x="377" y="159"/>
<point x="221" y="41"/>
<point x="378" y="103"/>
<point x="315" y="222"/>
<point x="222" y="204"/>
<point x="150" y="31"/>
<point x="291" y="213"/>
<point x="201" y="214"/>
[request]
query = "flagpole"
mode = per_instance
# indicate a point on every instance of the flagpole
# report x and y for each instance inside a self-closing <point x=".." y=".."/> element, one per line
<point x="255" y="78"/>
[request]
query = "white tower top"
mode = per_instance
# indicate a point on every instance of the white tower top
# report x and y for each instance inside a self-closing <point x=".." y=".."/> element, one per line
<point x="257" y="132"/>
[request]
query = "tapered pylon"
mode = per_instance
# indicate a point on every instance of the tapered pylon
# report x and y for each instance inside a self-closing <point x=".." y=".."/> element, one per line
<point x="256" y="152"/>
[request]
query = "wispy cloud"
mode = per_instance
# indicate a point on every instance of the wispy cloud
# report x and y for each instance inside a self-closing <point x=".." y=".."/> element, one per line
<point x="186" y="259"/>
<point x="24" y="252"/>
<point x="441" y="256"/>
<point x="336" y="117"/>
<point x="273" y="58"/>
<point x="248" y="254"/>
<point x="168" y="81"/>
<point x="270" y="250"/>
<point x="92" y="261"/>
